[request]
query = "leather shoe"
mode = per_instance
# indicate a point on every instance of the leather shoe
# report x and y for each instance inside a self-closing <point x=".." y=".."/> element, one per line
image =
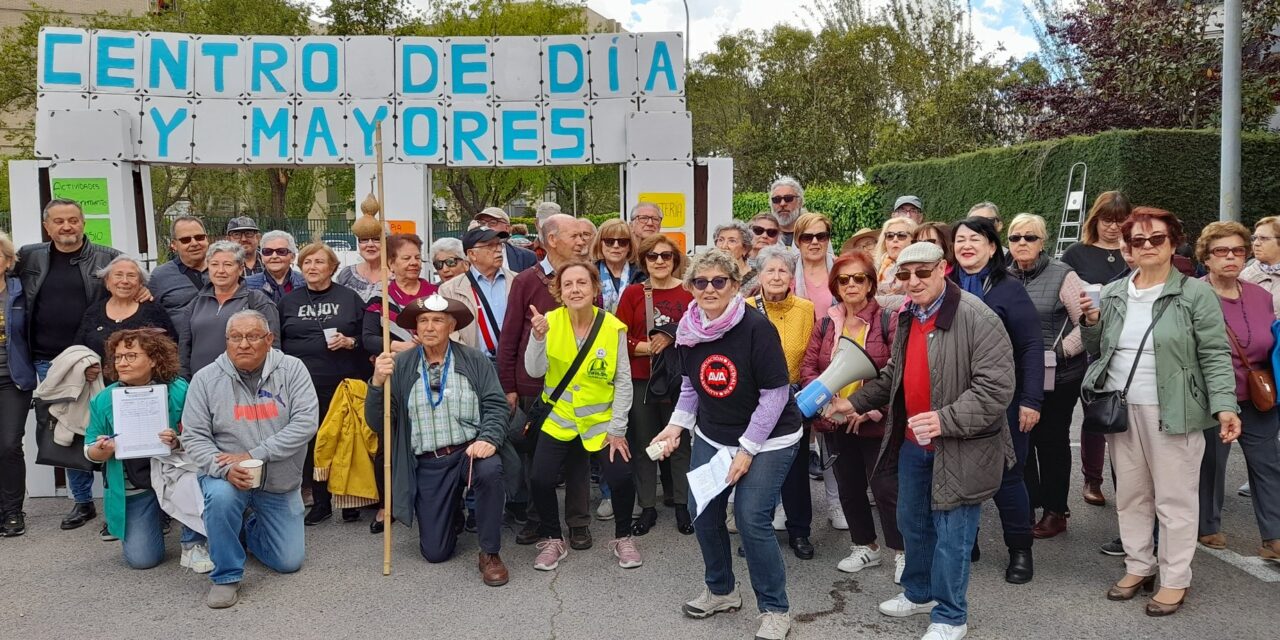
<point x="579" y="538"/>
<point x="642" y="525"/>
<point x="802" y="547"/>
<point x="377" y="526"/>
<point x="492" y="570"/>
<point x="350" y="515"/>
<point x="81" y="513"/>
<point x="318" y="514"/>
<point x="1093" y="493"/>
<point x="1050" y="525"/>
<point x="528" y="534"/>
<point x="684" y="524"/>
<point x="1020" y="569"/>
<point x="975" y="554"/>
<point x="1157" y="609"/>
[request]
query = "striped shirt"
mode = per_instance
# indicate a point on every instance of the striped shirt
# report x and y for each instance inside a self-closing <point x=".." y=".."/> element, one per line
<point x="455" y="420"/>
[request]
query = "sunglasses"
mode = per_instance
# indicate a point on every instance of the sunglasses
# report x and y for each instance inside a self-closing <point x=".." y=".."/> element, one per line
<point x="806" y="238"/>
<point x="276" y="252"/>
<point x="1221" y="252"/>
<point x="1156" y="240"/>
<point x="897" y="235"/>
<point x="718" y="283"/>
<point x="857" y="278"/>
<point x="199" y="237"/>
<point x="781" y="199"/>
<point x="660" y="256"/>
<point x="922" y="273"/>
<point x="1029" y="239"/>
<point x="368" y="241"/>
<point x="447" y="262"/>
<point x="762" y="231"/>
<point x="616" y="242"/>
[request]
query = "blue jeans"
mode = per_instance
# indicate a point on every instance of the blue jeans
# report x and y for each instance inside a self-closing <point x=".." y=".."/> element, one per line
<point x="1012" y="499"/>
<point x="757" y="495"/>
<point x="143" y="541"/>
<point x="273" y="532"/>
<point x="79" y="483"/>
<point x="937" y="542"/>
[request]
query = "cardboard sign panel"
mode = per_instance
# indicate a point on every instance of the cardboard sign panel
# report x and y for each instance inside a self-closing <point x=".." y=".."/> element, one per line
<point x="420" y="133"/>
<point x="469" y="138"/>
<point x="566" y="70"/>
<point x="169" y="65"/>
<point x="613" y="66"/>
<point x="371" y="66"/>
<point x="320" y="132"/>
<point x="517" y="72"/>
<point x="214" y="136"/>
<point x="518" y="134"/>
<point x="62" y="60"/>
<point x="167" y="129"/>
<point x="269" y="134"/>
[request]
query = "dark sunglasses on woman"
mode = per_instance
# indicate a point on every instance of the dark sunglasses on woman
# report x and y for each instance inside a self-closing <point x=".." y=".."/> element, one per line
<point x="660" y="256"/>
<point x="447" y="262"/>
<point x="616" y="242"/>
<point x="857" y="278"/>
<point x="763" y="231"/>
<point x="718" y="283"/>
<point x="806" y="238"/>
<point x="1156" y="240"/>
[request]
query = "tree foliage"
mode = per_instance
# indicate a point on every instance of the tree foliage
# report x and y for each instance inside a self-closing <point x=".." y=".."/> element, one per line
<point x="368" y="17"/>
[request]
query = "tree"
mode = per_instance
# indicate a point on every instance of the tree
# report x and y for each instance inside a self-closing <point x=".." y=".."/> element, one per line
<point x="367" y="17"/>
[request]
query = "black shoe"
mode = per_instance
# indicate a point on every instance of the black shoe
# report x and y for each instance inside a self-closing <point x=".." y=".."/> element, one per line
<point x="14" y="525"/>
<point x="528" y="533"/>
<point x="377" y="526"/>
<point x="166" y="524"/>
<point x="684" y="524"/>
<point x="976" y="554"/>
<point x="642" y="525"/>
<point x="669" y="501"/>
<point x="105" y="535"/>
<point x="815" y="465"/>
<point x="579" y="538"/>
<point x="318" y="514"/>
<point x="81" y="513"/>
<point x="471" y="521"/>
<point x="1113" y="548"/>
<point x="1020" y="569"/>
<point x="350" y="515"/>
<point x="802" y="547"/>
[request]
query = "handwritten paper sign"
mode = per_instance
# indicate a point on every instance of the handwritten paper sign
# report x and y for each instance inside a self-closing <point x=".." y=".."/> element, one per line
<point x="402" y="226"/>
<point x="672" y="205"/>
<point x="98" y="230"/>
<point x="91" y="193"/>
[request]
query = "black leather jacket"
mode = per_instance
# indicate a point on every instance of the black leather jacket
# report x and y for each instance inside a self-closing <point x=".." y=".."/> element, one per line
<point x="33" y="266"/>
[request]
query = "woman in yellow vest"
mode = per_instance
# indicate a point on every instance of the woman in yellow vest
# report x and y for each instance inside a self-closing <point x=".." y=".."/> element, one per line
<point x="590" y="417"/>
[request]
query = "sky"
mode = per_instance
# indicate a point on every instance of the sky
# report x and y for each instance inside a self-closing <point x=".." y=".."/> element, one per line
<point x="998" y="25"/>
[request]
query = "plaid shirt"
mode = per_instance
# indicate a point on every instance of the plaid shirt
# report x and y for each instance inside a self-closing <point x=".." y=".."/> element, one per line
<point x="454" y="421"/>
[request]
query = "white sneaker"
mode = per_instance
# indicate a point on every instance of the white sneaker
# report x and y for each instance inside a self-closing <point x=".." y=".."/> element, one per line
<point x="900" y="607"/>
<point x="196" y="558"/>
<point x="836" y="515"/>
<point x="708" y="604"/>
<point x="774" y="626"/>
<point x="899" y="564"/>
<point x="861" y="558"/>
<point x="780" y="519"/>
<point x="731" y="521"/>
<point x="939" y="631"/>
<point x="605" y="510"/>
<point x="1245" y="491"/>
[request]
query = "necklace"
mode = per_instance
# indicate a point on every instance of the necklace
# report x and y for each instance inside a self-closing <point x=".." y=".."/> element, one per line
<point x="1244" y="314"/>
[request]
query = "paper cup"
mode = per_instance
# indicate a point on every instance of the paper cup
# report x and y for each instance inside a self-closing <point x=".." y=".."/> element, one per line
<point x="922" y="439"/>
<point x="330" y="334"/>
<point x="1094" y="291"/>
<point x="254" y="467"/>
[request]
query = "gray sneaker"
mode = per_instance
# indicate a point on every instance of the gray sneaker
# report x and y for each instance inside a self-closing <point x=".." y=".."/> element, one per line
<point x="1245" y="491"/>
<point x="222" y="596"/>
<point x="709" y="604"/>
<point x="1113" y="548"/>
<point x="774" y="626"/>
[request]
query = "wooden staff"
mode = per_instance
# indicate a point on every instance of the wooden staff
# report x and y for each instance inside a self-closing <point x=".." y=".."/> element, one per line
<point x="388" y="429"/>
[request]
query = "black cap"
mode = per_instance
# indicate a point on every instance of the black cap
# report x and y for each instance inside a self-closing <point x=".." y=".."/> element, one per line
<point x="477" y="235"/>
<point x="243" y="223"/>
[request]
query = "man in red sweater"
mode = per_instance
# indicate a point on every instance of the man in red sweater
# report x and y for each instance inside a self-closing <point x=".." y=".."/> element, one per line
<point x="564" y="243"/>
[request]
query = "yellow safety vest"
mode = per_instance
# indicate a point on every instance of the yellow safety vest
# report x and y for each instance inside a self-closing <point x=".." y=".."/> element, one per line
<point x="586" y="406"/>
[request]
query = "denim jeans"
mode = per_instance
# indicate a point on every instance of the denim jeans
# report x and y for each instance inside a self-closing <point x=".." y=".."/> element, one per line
<point x="143" y="541"/>
<point x="79" y="483"/>
<point x="1012" y="498"/>
<point x="937" y="542"/>
<point x="273" y="532"/>
<point x="756" y="496"/>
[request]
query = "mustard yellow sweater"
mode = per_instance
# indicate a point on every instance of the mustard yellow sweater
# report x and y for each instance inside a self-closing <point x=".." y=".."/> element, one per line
<point x="793" y="318"/>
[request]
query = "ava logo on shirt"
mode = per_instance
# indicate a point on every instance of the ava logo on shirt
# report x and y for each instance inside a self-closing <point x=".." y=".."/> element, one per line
<point x="719" y="376"/>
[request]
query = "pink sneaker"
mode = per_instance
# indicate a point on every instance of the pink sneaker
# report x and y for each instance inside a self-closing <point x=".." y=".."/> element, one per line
<point x="627" y="553"/>
<point x="550" y="552"/>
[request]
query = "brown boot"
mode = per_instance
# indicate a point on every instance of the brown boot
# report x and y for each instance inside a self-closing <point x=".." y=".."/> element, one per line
<point x="1050" y="525"/>
<point x="492" y="571"/>
<point x="1093" y="493"/>
<point x="1214" y="541"/>
<point x="1270" y="550"/>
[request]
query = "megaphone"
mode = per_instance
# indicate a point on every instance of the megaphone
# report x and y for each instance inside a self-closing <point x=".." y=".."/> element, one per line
<point x="850" y="364"/>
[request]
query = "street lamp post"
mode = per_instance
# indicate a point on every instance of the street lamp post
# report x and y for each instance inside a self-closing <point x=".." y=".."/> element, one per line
<point x="1229" y="194"/>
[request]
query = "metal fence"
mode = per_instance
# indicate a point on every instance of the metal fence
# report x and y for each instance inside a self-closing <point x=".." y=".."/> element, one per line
<point x="334" y="230"/>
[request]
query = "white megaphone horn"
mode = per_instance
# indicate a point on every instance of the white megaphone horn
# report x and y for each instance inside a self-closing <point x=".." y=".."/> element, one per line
<point x="850" y="364"/>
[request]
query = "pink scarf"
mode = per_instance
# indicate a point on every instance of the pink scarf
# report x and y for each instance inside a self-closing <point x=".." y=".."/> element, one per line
<point x="695" y="328"/>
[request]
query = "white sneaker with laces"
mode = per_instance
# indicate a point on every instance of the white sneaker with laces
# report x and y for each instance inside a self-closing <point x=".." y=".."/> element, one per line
<point x="708" y="604"/>
<point x="899" y="564"/>
<point x="836" y="515"/>
<point x="196" y="558"/>
<point x="939" y="631"/>
<point x="900" y="607"/>
<point x="774" y="626"/>
<point x="605" y="510"/>
<point x="861" y="557"/>
<point x="780" y="519"/>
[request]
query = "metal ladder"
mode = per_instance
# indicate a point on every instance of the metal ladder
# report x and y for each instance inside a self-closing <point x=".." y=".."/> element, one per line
<point x="1072" y="210"/>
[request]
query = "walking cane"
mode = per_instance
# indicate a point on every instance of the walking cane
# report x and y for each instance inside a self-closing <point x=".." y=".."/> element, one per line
<point x="387" y="427"/>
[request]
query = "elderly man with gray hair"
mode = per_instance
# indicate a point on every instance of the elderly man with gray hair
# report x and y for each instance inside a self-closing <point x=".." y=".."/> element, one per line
<point x="246" y="424"/>
<point x="517" y="258"/>
<point x="990" y="211"/>
<point x="278" y="277"/>
<point x="786" y="200"/>
<point x="646" y="220"/>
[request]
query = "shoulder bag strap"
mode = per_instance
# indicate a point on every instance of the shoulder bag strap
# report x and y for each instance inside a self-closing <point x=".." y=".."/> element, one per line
<point x="1134" y="370"/>
<point x="648" y="307"/>
<point x="484" y="304"/>
<point x="760" y="304"/>
<point x="577" y="362"/>
<point x="1235" y="344"/>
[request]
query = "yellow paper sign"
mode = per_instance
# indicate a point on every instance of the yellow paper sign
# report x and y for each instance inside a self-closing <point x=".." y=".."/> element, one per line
<point x="672" y="205"/>
<point x="91" y="193"/>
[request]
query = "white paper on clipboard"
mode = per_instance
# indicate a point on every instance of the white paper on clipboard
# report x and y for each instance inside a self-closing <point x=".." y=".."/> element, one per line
<point x="139" y="414"/>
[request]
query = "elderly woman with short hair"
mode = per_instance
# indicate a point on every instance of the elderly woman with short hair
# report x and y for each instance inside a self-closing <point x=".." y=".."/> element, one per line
<point x="1264" y="271"/>
<point x="813" y="239"/>
<point x="765" y="232"/>
<point x="278" y="277"/>
<point x="123" y="277"/>
<point x="404" y="260"/>
<point x="364" y="277"/>
<point x="735" y="239"/>
<point x="735" y="402"/>
<point x="448" y="259"/>
<point x="202" y="327"/>
<point x="614" y="252"/>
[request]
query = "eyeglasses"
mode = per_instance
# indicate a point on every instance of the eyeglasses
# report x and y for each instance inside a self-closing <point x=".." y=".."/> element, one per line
<point x="1029" y="239"/>
<point x="1156" y="240"/>
<point x="763" y="231"/>
<point x="857" y="278"/>
<point x="806" y="238"/>
<point x="660" y="256"/>
<point x="897" y="235"/>
<point x="1114" y="223"/>
<point x="447" y="262"/>
<point x="718" y="283"/>
<point x="922" y="273"/>
<point x="276" y="252"/>
<point x="369" y="241"/>
<point x="127" y="358"/>
<point x="242" y="234"/>
<point x="1263" y="238"/>
<point x="486" y="247"/>
<point x="616" y="242"/>
<point x="251" y="339"/>
<point x="199" y="237"/>
<point x="781" y="199"/>
<point x="648" y="219"/>
<point x="1221" y="252"/>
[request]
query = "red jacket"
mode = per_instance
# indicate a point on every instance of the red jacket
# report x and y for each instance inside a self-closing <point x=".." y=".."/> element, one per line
<point x="528" y="288"/>
<point x="817" y="355"/>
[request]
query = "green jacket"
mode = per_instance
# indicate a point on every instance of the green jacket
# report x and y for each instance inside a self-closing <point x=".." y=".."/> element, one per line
<point x="1194" y="376"/>
<point x="101" y="423"/>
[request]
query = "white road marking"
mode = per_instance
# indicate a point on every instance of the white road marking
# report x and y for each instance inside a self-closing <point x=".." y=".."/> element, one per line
<point x="1253" y="565"/>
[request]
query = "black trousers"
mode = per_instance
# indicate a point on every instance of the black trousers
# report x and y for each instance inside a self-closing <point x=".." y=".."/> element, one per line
<point x="14" y="405"/>
<point x="648" y="419"/>
<point x="441" y="482"/>
<point x="1048" y="470"/>
<point x="320" y="488"/>
<point x="796" y="499"/>
<point x="550" y="456"/>
<point x="854" y="466"/>
<point x="577" y="483"/>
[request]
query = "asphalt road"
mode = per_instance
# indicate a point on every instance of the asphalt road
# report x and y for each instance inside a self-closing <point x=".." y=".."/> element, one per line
<point x="69" y="584"/>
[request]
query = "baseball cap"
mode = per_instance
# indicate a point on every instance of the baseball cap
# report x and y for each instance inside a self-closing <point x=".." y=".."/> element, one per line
<point x="242" y="223"/>
<point x="481" y="234"/>
<point x="912" y="200"/>
<point x="496" y="213"/>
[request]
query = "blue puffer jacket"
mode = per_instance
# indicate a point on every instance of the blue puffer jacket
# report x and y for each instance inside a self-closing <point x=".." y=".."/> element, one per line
<point x="21" y="370"/>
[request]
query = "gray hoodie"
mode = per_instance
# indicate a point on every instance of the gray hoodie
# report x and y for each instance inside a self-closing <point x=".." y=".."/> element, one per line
<point x="273" y="422"/>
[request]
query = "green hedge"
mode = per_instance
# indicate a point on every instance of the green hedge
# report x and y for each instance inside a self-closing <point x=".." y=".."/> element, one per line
<point x="1172" y="169"/>
<point x="850" y="207"/>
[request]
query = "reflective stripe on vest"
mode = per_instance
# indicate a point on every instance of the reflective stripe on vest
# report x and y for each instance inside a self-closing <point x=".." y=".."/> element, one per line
<point x="585" y="408"/>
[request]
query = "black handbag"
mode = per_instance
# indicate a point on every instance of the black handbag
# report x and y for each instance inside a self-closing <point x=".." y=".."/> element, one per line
<point x="539" y="409"/>
<point x="1108" y="411"/>
<point x="52" y="454"/>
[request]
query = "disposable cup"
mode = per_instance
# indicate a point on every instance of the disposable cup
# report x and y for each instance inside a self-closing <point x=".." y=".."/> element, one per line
<point x="1094" y="291"/>
<point x="330" y="334"/>
<point x="254" y="467"/>
<point x="920" y="437"/>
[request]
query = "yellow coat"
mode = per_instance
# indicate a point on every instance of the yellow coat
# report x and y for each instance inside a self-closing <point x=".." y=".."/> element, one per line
<point x="345" y="447"/>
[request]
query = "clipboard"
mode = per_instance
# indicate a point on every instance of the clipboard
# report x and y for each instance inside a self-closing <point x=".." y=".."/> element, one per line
<point x="138" y="415"/>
